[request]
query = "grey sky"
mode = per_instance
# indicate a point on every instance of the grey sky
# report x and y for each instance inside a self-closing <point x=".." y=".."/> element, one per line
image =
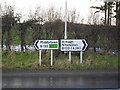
<point x="82" y="6"/>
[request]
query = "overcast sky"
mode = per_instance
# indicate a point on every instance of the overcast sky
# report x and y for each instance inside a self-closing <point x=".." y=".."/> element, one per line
<point x="82" y="6"/>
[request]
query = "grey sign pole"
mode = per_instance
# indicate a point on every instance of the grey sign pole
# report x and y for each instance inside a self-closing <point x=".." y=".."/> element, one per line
<point x="51" y="57"/>
<point x="80" y="57"/>
<point x="65" y="37"/>
<point x="69" y="56"/>
<point x="40" y="57"/>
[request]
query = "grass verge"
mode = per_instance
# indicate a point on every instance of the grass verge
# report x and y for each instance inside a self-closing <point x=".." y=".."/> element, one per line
<point x="29" y="61"/>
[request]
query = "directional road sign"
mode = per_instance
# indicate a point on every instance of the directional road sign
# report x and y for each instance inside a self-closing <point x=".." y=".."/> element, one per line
<point x="73" y="44"/>
<point x="46" y="44"/>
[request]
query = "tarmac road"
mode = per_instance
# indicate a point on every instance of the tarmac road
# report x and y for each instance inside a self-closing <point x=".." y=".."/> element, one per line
<point x="60" y="79"/>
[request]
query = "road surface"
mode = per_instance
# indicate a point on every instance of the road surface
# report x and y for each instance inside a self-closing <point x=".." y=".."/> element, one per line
<point x="60" y="79"/>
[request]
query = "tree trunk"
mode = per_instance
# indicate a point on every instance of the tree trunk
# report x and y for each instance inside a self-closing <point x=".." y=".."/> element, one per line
<point x="25" y="47"/>
<point x="8" y="40"/>
<point x="2" y="42"/>
<point x="22" y="41"/>
<point x="94" y="48"/>
<point x="22" y="48"/>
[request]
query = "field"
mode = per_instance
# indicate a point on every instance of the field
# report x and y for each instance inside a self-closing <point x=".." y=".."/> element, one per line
<point x="29" y="61"/>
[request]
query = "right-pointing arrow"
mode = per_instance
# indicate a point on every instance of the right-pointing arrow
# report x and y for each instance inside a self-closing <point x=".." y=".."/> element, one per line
<point x="35" y="44"/>
<point x="85" y="45"/>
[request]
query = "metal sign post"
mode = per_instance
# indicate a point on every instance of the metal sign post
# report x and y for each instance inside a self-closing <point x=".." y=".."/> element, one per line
<point x="70" y="56"/>
<point x="65" y="37"/>
<point x="80" y="57"/>
<point x="51" y="57"/>
<point x="40" y="57"/>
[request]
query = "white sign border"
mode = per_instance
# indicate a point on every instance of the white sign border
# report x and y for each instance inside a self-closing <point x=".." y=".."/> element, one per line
<point x="37" y="48"/>
<point x="75" y="39"/>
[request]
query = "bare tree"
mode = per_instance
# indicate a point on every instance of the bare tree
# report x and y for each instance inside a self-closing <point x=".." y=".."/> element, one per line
<point x="117" y="13"/>
<point x="94" y="18"/>
<point x="53" y="14"/>
<point x="37" y="18"/>
<point x="38" y="15"/>
<point x="73" y="17"/>
<point x="108" y="10"/>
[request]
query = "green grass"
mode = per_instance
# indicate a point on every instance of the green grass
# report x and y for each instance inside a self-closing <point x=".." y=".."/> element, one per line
<point x="29" y="61"/>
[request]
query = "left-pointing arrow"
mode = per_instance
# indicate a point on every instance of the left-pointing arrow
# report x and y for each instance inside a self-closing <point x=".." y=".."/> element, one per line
<point x="35" y="44"/>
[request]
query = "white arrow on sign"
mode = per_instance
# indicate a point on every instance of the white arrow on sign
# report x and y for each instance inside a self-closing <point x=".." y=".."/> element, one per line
<point x="73" y="45"/>
<point x="46" y="44"/>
